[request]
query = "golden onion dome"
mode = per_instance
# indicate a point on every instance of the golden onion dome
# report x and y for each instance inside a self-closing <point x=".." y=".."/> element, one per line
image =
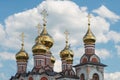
<point x="39" y="48"/>
<point x="89" y="38"/>
<point x="69" y="59"/>
<point x="66" y="51"/>
<point x="53" y="59"/>
<point x="45" y="38"/>
<point x="71" y="53"/>
<point x="22" y="55"/>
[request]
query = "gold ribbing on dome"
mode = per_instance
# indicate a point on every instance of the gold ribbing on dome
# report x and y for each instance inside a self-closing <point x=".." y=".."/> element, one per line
<point x="89" y="38"/>
<point x="22" y="55"/>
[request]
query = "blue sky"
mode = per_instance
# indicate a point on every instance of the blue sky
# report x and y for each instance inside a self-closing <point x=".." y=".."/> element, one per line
<point x="19" y="16"/>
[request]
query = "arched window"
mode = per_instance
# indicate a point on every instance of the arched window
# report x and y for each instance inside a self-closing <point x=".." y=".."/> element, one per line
<point x="43" y="78"/>
<point x="82" y="77"/>
<point x="84" y="60"/>
<point x="94" y="60"/>
<point x="95" y="76"/>
<point x="30" y="78"/>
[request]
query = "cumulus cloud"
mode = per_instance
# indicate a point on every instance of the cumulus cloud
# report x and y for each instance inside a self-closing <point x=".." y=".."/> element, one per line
<point x="115" y="36"/>
<point x="21" y="22"/>
<point x="62" y="15"/>
<point x="2" y="33"/>
<point x="30" y="64"/>
<point x="57" y="67"/>
<point x="2" y="76"/>
<point x="118" y="49"/>
<point x="1" y="65"/>
<point x="103" y="53"/>
<point x="112" y="76"/>
<point x="7" y="56"/>
<point x="103" y="11"/>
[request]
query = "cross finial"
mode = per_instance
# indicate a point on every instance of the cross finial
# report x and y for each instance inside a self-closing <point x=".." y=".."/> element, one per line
<point x="44" y="14"/>
<point x="22" y="37"/>
<point x="89" y="19"/>
<point x="39" y="28"/>
<point x="66" y="33"/>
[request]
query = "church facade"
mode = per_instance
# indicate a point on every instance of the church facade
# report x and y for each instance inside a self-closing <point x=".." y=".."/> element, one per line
<point x="89" y="67"/>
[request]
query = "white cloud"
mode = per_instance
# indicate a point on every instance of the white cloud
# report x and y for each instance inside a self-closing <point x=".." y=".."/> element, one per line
<point x="118" y="49"/>
<point x="103" y="11"/>
<point x="7" y="56"/>
<point x="62" y="15"/>
<point x="103" y="53"/>
<point x="100" y="27"/>
<point x="58" y="67"/>
<point x="1" y="65"/>
<point x="112" y="76"/>
<point x="21" y="22"/>
<point x="2" y="33"/>
<point x="2" y="76"/>
<point x="115" y="36"/>
<point x="30" y="63"/>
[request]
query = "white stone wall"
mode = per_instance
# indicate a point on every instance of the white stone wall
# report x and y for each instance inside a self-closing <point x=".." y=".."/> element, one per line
<point x="89" y="73"/>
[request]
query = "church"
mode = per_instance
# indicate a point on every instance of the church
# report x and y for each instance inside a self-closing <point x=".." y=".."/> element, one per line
<point x="89" y="67"/>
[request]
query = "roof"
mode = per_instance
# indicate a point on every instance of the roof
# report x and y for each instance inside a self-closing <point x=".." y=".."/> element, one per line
<point x="90" y="63"/>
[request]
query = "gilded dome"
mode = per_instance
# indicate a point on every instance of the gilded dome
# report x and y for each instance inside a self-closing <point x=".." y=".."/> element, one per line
<point x="66" y="51"/>
<point x="39" y="48"/>
<point x="22" y="55"/>
<point x="53" y="59"/>
<point x="89" y="38"/>
<point x="69" y="59"/>
<point x="45" y="38"/>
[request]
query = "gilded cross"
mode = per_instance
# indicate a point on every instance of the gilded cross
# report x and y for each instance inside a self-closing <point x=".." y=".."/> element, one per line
<point x="66" y="33"/>
<point x="22" y="37"/>
<point x="89" y="18"/>
<point x="44" y="14"/>
<point x="39" y="27"/>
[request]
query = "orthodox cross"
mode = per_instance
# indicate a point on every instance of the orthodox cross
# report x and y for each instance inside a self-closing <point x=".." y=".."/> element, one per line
<point x="66" y="33"/>
<point x="22" y="39"/>
<point x="39" y="28"/>
<point x="89" y="19"/>
<point x="44" y="14"/>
